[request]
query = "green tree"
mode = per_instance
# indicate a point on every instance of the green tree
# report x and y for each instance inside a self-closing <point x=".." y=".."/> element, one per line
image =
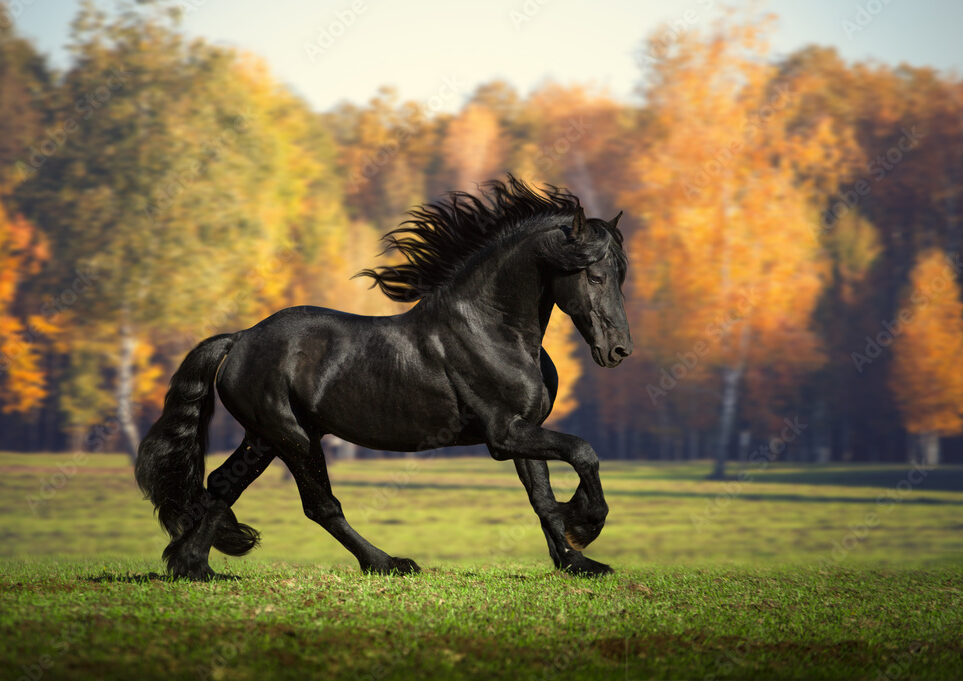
<point x="177" y="173"/>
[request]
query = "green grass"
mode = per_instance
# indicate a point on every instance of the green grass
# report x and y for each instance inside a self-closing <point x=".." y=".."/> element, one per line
<point x="794" y="572"/>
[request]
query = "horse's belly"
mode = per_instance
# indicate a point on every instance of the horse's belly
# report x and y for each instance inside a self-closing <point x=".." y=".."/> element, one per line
<point x="415" y="433"/>
<point x="408" y="419"/>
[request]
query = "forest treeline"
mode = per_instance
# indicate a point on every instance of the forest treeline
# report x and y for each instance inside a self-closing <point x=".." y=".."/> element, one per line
<point x="792" y="227"/>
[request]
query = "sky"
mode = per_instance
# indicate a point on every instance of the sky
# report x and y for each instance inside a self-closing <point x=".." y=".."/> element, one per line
<point x="438" y="51"/>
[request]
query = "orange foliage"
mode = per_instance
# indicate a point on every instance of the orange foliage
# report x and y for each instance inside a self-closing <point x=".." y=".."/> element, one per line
<point x="22" y="378"/>
<point x="472" y="147"/>
<point x="925" y="375"/>
<point x="560" y="342"/>
<point x="728" y="267"/>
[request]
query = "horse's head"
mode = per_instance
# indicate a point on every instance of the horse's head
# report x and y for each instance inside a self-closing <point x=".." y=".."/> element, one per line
<point x="588" y="265"/>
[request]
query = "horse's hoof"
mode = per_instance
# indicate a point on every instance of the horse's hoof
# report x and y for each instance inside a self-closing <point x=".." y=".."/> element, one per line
<point x="195" y="573"/>
<point x="394" y="566"/>
<point x="583" y="523"/>
<point x="404" y="566"/>
<point x="581" y="566"/>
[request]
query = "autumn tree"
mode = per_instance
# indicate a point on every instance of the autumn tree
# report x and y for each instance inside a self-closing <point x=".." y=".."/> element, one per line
<point x="472" y="147"/>
<point x="728" y="267"/>
<point x="927" y="342"/>
<point x="178" y="181"/>
<point x="22" y="377"/>
<point x="24" y="85"/>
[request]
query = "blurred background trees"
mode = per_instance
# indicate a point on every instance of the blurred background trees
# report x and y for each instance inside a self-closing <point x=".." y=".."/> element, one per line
<point x="792" y="226"/>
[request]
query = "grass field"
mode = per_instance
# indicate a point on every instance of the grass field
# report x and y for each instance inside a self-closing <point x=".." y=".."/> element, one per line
<point x="789" y="572"/>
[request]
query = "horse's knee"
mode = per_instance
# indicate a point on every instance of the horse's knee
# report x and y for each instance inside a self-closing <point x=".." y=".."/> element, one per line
<point x="584" y="459"/>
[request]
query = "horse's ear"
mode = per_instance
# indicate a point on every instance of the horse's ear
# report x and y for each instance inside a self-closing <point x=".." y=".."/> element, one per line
<point x="578" y="224"/>
<point x="614" y="222"/>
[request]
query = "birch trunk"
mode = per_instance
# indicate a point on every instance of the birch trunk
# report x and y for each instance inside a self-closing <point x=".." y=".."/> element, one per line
<point x="928" y="448"/>
<point x="125" y="392"/>
<point x="731" y="377"/>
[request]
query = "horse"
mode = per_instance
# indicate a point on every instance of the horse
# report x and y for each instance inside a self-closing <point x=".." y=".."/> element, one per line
<point x="464" y="365"/>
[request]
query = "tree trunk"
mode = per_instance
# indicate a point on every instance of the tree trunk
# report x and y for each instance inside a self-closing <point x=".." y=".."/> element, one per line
<point x="621" y="442"/>
<point x="125" y="392"/>
<point x="745" y="442"/>
<point x="342" y="449"/>
<point x="692" y="444"/>
<point x="730" y="399"/>
<point x="928" y="448"/>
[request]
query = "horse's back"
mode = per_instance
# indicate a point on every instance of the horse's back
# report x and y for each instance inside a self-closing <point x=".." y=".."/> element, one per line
<point x="376" y="381"/>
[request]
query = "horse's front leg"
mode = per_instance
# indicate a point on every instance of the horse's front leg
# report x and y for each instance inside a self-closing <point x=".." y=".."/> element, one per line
<point x="569" y="526"/>
<point x="561" y="521"/>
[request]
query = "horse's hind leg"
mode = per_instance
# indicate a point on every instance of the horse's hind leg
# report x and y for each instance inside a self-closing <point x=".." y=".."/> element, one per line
<point x="212" y="522"/>
<point x="306" y="462"/>
<point x="187" y="555"/>
<point x="241" y="468"/>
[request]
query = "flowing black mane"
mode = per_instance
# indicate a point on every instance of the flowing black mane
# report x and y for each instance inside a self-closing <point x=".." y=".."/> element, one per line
<point x="442" y="235"/>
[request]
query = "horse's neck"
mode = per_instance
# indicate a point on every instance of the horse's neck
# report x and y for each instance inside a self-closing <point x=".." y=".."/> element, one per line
<point x="507" y="292"/>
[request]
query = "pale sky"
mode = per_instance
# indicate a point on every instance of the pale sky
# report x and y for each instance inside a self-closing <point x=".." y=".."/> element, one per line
<point x="344" y="49"/>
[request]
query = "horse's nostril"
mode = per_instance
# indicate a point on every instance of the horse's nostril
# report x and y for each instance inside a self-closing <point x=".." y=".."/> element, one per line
<point x="621" y="351"/>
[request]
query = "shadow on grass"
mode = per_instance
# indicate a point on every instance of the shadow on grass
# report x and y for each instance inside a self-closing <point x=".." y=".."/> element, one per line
<point x="937" y="480"/>
<point x="743" y="494"/>
<point x="942" y="479"/>
<point x="128" y="578"/>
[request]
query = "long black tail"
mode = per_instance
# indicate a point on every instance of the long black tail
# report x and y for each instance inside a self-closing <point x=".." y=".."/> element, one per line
<point x="170" y="459"/>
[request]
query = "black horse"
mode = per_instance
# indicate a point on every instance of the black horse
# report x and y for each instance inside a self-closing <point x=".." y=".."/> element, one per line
<point x="463" y="366"/>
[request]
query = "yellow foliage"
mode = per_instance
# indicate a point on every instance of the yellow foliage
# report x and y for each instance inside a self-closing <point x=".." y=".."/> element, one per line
<point x="150" y="379"/>
<point x="560" y="342"/>
<point x="472" y="146"/>
<point x="925" y="375"/>
<point x="728" y="266"/>
<point x="22" y="378"/>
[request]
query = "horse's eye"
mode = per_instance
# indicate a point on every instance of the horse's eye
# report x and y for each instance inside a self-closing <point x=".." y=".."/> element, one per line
<point x="594" y="279"/>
